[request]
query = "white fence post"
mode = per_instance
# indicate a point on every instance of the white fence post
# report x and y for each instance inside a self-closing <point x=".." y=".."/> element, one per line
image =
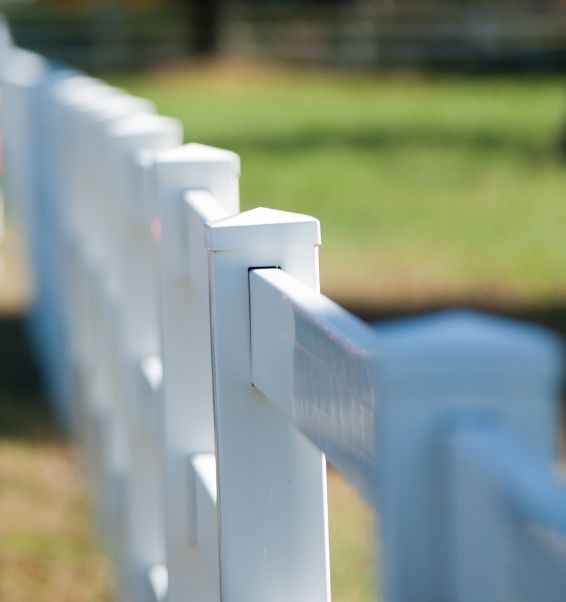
<point x="187" y="394"/>
<point x="67" y="97"/>
<point x="26" y="80"/>
<point x="51" y="216"/>
<point x="95" y="187"/>
<point x="271" y="480"/>
<point x="133" y="417"/>
<point x="431" y="374"/>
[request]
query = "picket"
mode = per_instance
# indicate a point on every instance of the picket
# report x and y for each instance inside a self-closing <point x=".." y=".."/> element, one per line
<point x="206" y="380"/>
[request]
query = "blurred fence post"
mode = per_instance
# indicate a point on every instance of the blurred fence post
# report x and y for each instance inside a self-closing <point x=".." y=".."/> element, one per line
<point x="433" y="375"/>
<point x="134" y="416"/>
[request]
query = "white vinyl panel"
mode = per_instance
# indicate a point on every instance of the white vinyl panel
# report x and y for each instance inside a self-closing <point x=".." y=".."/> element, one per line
<point x="271" y="480"/>
<point x="133" y="282"/>
<point x="137" y="406"/>
<point x="129" y="450"/>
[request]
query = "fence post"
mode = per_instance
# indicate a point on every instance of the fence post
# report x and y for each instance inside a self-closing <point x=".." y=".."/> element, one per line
<point x="187" y="392"/>
<point x="93" y="184"/>
<point x="51" y="216"/>
<point x="133" y="291"/>
<point x="271" y="480"/>
<point x="66" y="97"/>
<point x="434" y="373"/>
<point x="26" y="80"/>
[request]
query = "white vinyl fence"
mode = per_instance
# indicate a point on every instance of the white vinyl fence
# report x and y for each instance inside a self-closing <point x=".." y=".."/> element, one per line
<point x="187" y="348"/>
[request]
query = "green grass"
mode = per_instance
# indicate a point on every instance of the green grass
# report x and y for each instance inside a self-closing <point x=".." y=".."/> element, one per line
<point x="351" y="530"/>
<point x="48" y="550"/>
<point x="425" y="188"/>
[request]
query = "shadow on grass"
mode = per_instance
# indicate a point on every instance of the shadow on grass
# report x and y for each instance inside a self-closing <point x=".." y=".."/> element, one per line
<point x="384" y="139"/>
<point x="24" y="412"/>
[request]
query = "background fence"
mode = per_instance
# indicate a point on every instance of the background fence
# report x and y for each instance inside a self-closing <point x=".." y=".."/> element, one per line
<point x="461" y="36"/>
<point x="435" y="35"/>
<point x="189" y="352"/>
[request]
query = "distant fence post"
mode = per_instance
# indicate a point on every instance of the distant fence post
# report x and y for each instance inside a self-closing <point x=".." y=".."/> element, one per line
<point x="135" y="415"/>
<point x="26" y="80"/>
<point x="187" y="393"/>
<point x="65" y="99"/>
<point x="94" y="185"/>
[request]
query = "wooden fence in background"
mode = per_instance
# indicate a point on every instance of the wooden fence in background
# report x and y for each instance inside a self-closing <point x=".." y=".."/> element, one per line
<point x="460" y="36"/>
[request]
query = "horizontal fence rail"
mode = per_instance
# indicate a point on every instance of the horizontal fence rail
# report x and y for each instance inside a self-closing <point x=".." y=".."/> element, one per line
<point x="187" y="349"/>
<point x="316" y="363"/>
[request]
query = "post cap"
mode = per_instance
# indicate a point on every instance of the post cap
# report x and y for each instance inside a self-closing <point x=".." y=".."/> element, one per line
<point x="264" y="228"/>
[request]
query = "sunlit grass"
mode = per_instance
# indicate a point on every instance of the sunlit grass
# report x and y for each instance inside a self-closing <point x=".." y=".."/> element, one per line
<point x="352" y="560"/>
<point x="48" y="552"/>
<point x="425" y="188"/>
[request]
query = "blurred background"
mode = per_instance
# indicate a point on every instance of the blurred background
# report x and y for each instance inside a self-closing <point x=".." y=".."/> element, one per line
<point x="428" y="137"/>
